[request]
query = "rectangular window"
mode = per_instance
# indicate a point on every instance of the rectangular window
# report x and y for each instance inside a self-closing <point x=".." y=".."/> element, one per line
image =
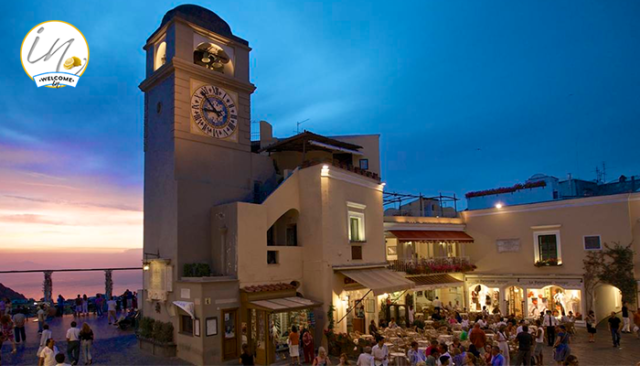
<point x="364" y="164"/>
<point x="272" y="257"/>
<point x="592" y="242"/>
<point x="547" y="247"/>
<point x="356" y="252"/>
<point x="356" y="226"/>
<point x="186" y="324"/>
<point x="292" y="236"/>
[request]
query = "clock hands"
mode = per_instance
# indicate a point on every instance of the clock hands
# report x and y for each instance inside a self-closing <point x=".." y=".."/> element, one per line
<point x="213" y="109"/>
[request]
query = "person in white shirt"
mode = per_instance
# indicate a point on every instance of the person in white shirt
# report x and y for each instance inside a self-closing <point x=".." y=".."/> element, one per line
<point x="60" y="360"/>
<point x="537" y="352"/>
<point x="550" y="322"/>
<point x="73" y="343"/>
<point x="482" y="323"/>
<point x="411" y="316"/>
<point x="48" y="354"/>
<point x="380" y="353"/>
<point x="44" y="338"/>
<point x="437" y="304"/>
<point x="111" y="310"/>
<point x="40" y="315"/>
<point x="365" y="358"/>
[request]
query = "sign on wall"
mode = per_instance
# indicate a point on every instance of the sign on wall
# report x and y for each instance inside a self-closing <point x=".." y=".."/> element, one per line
<point x="508" y="245"/>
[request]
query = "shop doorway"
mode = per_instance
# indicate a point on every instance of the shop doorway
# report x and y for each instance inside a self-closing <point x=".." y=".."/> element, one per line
<point x="230" y="339"/>
<point x="481" y="296"/>
<point x="515" y="301"/>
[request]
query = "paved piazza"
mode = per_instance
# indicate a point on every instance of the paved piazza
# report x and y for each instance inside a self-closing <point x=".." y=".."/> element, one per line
<point x="116" y="347"/>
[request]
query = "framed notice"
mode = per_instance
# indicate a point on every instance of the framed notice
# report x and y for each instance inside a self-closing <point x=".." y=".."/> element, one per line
<point x="508" y="245"/>
<point x="196" y="327"/>
<point x="212" y="326"/>
<point x="370" y="305"/>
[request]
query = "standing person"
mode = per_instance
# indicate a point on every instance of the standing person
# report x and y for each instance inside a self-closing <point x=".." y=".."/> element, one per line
<point x="48" y="354"/>
<point x="19" y="320"/>
<point x="615" y="327"/>
<point x="503" y="343"/>
<point x="135" y="301"/>
<point x="478" y="338"/>
<point x="246" y="358"/>
<point x="365" y="358"/>
<point x="411" y="316"/>
<point x="85" y="305"/>
<point x="525" y="345"/>
<point x="77" y="311"/>
<point x="98" y="303"/>
<point x="60" y="311"/>
<point x="6" y="332"/>
<point x="636" y="323"/>
<point x="308" y="347"/>
<point x="44" y="338"/>
<point x="437" y="304"/>
<point x="562" y="350"/>
<point x="537" y="352"/>
<point x="497" y="358"/>
<point x="380" y="353"/>
<point x="41" y="315"/>
<point x="86" y="341"/>
<point x="129" y="297"/>
<point x="591" y="326"/>
<point x="73" y="343"/>
<point x="3" y="307"/>
<point x="294" y="344"/>
<point x="111" y="310"/>
<point x="550" y="323"/>
<point x="322" y="359"/>
<point x="625" y="318"/>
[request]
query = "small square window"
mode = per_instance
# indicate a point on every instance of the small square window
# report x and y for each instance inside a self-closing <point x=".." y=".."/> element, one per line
<point x="272" y="257"/>
<point x="592" y="242"/>
<point x="364" y="164"/>
<point x="186" y="325"/>
<point x="356" y="252"/>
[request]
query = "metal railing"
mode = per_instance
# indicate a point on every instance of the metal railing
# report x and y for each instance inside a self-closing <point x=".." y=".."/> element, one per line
<point x="432" y="265"/>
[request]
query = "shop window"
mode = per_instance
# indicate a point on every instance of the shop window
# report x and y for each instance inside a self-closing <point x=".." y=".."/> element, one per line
<point x="592" y="242"/>
<point x="186" y="325"/>
<point x="356" y="226"/>
<point x="270" y="238"/>
<point x="272" y="257"/>
<point x="356" y="252"/>
<point x="364" y="164"/>
<point x="292" y="236"/>
<point x="547" y="248"/>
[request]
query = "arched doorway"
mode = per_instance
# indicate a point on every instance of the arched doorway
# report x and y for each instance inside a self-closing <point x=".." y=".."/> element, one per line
<point x="514" y="296"/>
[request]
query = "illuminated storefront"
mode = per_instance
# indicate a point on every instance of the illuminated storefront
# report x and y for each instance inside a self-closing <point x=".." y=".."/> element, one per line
<point x="525" y="296"/>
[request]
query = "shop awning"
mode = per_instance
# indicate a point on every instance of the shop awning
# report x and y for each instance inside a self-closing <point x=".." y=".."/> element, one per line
<point x="432" y="235"/>
<point x="188" y="307"/>
<point x="431" y="282"/>
<point x="379" y="280"/>
<point x="284" y="304"/>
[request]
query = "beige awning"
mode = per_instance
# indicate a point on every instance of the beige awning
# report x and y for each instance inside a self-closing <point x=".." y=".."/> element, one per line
<point x="284" y="304"/>
<point x="379" y="280"/>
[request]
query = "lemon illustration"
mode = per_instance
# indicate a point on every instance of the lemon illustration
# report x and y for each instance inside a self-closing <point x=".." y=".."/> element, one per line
<point x="77" y="61"/>
<point x="68" y="63"/>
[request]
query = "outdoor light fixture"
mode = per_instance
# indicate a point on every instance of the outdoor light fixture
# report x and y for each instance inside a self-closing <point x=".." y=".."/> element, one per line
<point x="325" y="171"/>
<point x="498" y="205"/>
<point x="145" y="267"/>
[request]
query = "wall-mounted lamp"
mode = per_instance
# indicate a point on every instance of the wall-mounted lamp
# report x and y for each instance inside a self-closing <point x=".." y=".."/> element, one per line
<point x="145" y="267"/>
<point x="498" y="205"/>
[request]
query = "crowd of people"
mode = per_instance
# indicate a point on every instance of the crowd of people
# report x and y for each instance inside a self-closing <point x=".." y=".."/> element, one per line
<point x="79" y="341"/>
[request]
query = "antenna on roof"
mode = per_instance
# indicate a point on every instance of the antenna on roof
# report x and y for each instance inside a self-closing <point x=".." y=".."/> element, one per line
<point x="299" y="123"/>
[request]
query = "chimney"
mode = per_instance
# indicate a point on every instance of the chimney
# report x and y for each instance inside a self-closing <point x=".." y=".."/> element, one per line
<point x="266" y="134"/>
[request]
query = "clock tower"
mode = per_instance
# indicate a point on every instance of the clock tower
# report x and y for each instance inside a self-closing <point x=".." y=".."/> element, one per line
<point x="197" y="143"/>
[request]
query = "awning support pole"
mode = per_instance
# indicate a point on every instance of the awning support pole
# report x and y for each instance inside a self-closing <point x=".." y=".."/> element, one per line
<point x="354" y="306"/>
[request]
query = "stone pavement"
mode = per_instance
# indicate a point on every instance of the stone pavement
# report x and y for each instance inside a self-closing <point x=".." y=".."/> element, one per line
<point x="113" y="346"/>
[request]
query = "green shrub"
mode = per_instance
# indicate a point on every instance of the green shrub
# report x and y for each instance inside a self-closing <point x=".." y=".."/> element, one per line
<point x="145" y="329"/>
<point x="157" y="330"/>
<point x="196" y="270"/>
<point x="166" y="333"/>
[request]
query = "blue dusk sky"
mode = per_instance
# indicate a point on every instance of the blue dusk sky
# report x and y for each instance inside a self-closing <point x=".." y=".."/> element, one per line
<point x="466" y="95"/>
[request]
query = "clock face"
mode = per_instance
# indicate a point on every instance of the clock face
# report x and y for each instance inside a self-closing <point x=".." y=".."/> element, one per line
<point x="214" y="111"/>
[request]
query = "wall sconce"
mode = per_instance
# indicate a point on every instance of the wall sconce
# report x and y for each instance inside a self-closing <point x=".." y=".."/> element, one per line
<point x="145" y="266"/>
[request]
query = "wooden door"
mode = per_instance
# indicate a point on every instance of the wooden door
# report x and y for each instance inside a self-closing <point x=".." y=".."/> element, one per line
<point x="230" y="335"/>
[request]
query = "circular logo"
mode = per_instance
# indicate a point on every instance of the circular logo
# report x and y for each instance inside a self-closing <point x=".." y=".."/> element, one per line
<point x="54" y="54"/>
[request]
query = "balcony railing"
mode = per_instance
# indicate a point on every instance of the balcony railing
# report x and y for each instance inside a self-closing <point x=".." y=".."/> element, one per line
<point x="432" y="265"/>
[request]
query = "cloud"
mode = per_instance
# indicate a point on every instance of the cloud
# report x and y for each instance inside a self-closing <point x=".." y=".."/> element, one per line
<point x="31" y="219"/>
